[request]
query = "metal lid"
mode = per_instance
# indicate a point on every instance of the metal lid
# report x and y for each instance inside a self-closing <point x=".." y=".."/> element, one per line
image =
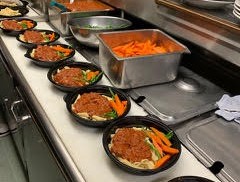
<point x="188" y="96"/>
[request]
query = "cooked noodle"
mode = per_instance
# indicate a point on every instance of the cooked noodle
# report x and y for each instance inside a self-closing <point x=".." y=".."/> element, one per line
<point x="144" y="163"/>
<point x="9" y="12"/>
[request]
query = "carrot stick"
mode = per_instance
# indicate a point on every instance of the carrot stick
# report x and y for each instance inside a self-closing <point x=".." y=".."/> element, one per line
<point x="154" y="137"/>
<point x="119" y="104"/>
<point x="124" y="102"/>
<point x="135" y="48"/>
<point x="92" y="74"/>
<point x="162" y="136"/>
<point x="155" y="142"/>
<point x="169" y="150"/>
<point x="62" y="49"/>
<point x="162" y="161"/>
<point x="115" y="107"/>
<point x="51" y="36"/>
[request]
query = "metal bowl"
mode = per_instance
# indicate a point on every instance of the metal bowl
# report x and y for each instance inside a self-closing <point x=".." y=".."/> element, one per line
<point x="85" y="29"/>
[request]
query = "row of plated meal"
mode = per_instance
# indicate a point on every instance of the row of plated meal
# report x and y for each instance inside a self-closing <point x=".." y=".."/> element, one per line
<point x="140" y="145"/>
<point x="13" y="8"/>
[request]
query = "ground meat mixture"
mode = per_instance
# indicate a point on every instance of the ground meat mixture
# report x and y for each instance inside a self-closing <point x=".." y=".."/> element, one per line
<point x="86" y="5"/>
<point x="46" y="53"/>
<point x="129" y="144"/>
<point x="70" y="77"/>
<point x="92" y="103"/>
<point x="11" y="25"/>
<point x="33" y="36"/>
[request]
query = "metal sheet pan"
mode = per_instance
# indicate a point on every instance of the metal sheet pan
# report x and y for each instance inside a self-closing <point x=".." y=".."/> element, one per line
<point x="215" y="139"/>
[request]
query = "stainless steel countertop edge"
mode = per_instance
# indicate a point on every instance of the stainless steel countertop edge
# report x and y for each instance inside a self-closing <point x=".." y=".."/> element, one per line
<point x="48" y="128"/>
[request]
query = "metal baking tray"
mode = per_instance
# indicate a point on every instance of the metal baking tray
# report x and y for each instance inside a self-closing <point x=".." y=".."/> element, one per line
<point x="214" y="139"/>
<point x="188" y="96"/>
<point x="59" y="16"/>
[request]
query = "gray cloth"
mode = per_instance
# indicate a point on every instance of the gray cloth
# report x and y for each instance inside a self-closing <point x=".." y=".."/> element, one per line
<point x="229" y="108"/>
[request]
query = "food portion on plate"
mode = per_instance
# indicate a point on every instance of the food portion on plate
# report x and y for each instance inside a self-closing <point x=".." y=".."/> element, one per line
<point x="50" y="53"/>
<point x="69" y="76"/>
<point x="98" y="105"/>
<point x="34" y="37"/>
<point x="16" y="26"/>
<point x="142" y="145"/>
<point x="75" y="77"/>
<point x="12" y="3"/>
<point x="6" y="12"/>
<point x="85" y="5"/>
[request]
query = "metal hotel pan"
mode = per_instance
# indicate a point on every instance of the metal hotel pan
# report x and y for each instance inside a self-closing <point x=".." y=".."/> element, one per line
<point x="59" y="18"/>
<point x="139" y="71"/>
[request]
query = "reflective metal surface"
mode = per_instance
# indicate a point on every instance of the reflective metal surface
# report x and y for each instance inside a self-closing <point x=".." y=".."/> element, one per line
<point x="59" y="19"/>
<point x="219" y="33"/>
<point x="85" y="29"/>
<point x="214" y="139"/>
<point x="208" y="4"/>
<point x="137" y="71"/>
<point x="174" y="104"/>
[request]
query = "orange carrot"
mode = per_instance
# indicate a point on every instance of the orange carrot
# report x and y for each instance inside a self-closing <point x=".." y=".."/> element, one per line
<point x="135" y="48"/>
<point x="118" y="105"/>
<point x="169" y="150"/>
<point x="162" y="161"/>
<point x="116" y="108"/>
<point x="124" y="102"/>
<point x="157" y="139"/>
<point x="162" y="136"/>
<point x="92" y="74"/>
<point x="155" y="142"/>
<point x="51" y="36"/>
<point x="66" y="51"/>
<point x="28" y="23"/>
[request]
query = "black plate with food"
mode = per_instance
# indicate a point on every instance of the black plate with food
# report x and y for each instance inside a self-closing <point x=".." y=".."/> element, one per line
<point x="70" y="76"/>
<point x="31" y="38"/>
<point x="10" y="12"/>
<point x="190" y="179"/>
<point x="98" y="105"/>
<point x="141" y="145"/>
<point x="49" y="55"/>
<point x="17" y="3"/>
<point x="15" y="26"/>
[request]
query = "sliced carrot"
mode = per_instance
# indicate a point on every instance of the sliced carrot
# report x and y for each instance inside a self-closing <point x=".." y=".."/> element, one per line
<point x="135" y="48"/>
<point x="115" y="107"/>
<point x="61" y="49"/>
<point x="154" y="137"/>
<point x="124" y="102"/>
<point x="162" y="136"/>
<point x="169" y="150"/>
<point x="51" y="36"/>
<point x="155" y="142"/>
<point x="162" y="161"/>
<point x="92" y="74"/>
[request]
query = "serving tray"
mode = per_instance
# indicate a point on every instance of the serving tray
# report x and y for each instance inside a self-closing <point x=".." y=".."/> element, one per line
<point x="187" y="96"/>
<point x="215" y="139"/>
